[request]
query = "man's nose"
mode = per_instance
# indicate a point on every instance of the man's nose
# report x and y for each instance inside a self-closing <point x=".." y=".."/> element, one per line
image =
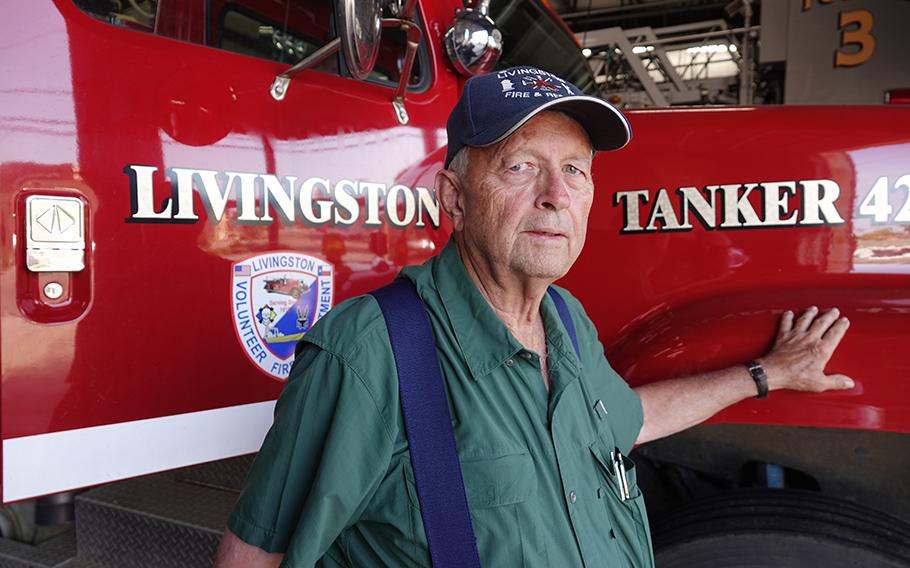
<point x="553" y="192"/>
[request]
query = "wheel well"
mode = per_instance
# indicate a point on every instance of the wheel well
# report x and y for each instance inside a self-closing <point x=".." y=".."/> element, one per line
<point x="861" y="466"/>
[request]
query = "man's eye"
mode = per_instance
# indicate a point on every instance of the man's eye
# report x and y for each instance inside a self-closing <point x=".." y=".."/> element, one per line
<point x="570" y="169"/>
<point x="519" y="167"/>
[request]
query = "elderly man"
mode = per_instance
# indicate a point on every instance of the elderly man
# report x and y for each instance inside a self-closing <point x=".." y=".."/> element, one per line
<point x="538" y="426"/>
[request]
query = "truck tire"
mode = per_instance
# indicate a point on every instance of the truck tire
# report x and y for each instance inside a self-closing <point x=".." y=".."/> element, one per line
<point x="773" y="528"/>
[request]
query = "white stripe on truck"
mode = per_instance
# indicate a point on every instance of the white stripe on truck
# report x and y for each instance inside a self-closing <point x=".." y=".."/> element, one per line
<point x="61" y="461"/>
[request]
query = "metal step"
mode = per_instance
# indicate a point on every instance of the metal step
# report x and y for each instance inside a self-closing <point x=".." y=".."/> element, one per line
<point x="78" y="563"/>
<point x="157" y="521"/>
<point x="169" y="519"/>
<point x="54" y="552"/>
<point x="226" y="474"/>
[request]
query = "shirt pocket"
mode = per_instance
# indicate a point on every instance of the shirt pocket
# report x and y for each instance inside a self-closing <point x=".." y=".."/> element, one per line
<point x="498" y="481"/>
<point x="627" y="516"/>
<point x="498" y="489"/>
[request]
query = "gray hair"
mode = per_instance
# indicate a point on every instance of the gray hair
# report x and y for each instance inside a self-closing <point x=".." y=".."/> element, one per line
<point x="460" y="163"/>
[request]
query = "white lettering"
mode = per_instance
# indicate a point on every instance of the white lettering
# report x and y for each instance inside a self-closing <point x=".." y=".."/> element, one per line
<point x="819" y="196"/>
<point x="663" y="210"/>
<point x="214" y="198"/>
<point x="184" y="183"/>
<point x="738" y="211"/>
<point x="818" y="200"/>
<point x="261" y="198"/>
<point x="142" y="194"/>
<point x="877" y="204"/>
<point x="398" y="195"/>
<point x="345" y="191"/>
<point x="246" y="196"/>
<point x="426" y="202"/>
<point x="631" y="213"/>
<point x="274" y="193"/>
<point x="776" y="203"/>
<point x="373" y="192"/>
<point x="306" y="201"/>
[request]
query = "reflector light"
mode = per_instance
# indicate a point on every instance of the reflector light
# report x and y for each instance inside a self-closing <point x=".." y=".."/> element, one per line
<point x="897" y="97"/>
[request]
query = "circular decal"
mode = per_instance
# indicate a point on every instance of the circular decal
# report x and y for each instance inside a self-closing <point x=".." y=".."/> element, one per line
<point x="275" y="299"/>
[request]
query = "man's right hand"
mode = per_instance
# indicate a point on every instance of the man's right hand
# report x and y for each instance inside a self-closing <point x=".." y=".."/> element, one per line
<point x="801" y="350"/>
<point x="235" y="553"/>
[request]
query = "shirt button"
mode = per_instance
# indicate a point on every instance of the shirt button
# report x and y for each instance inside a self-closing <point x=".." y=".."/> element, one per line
<point x="527" y="355"/>
<point x="572" y="496"/>
<point x="509" y="362"/>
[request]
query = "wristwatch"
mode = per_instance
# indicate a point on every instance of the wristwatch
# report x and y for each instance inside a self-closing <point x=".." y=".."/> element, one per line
<point x="759" y="376"/>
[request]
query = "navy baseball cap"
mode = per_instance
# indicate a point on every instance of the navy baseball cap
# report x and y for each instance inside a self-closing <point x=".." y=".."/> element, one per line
<point x="495" y="105"/>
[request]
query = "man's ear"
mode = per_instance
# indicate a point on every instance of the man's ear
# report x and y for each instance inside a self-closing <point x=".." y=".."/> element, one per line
<point x="448" y="188"/>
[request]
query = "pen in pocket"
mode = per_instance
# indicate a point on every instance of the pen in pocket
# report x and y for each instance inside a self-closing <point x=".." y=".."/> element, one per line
<point x="619" y="470"/>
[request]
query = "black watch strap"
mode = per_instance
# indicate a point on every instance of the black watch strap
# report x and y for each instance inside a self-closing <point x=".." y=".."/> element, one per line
<point x="759" y="376"/>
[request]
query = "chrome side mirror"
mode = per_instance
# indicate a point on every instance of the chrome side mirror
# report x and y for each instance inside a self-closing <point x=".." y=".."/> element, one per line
<point x="359" y="34"/>
<point x="473" y="43"/>
<point x="360" y="29"/>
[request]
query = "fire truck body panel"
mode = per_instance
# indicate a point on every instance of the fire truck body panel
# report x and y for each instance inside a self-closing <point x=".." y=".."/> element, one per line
<point x="179" y="156"/>
<point x="162" y="286"/>
<point x="678" y="301"/>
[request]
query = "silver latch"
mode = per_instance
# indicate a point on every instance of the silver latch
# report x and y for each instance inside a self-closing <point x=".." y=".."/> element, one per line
<point x="54" y="234"/>
<point x="400" y="111"/>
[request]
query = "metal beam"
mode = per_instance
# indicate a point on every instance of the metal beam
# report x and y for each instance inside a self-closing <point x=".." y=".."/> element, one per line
<point x="597" y="38"/>
<point x="627" y="8"/>
<point x="617" y="37"/>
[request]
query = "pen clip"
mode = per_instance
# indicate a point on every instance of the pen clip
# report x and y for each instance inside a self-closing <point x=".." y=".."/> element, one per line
<point x="619" y="469"/>
<point x="600" y="409"/>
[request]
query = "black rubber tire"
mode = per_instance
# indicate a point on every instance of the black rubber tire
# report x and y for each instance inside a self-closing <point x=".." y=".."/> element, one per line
<point x="777" y="528"/>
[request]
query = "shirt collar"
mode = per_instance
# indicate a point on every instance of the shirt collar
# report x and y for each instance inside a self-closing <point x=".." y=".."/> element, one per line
<point x="485" y="342"/>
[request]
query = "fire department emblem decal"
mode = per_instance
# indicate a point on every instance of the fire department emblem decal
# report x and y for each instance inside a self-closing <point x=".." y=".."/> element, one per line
<point x="275" y="299"/>
<point x="539" y="82"/>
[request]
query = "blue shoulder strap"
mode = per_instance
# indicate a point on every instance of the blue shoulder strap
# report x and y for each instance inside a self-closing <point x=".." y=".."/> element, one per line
<point x="428" y="426"/>
<point x="565" y="316"/>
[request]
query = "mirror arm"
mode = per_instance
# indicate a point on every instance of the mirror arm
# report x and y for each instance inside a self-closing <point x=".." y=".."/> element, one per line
<point x="482" y="7"/>
<point x="409" y="9"/>
<point x="413" y="40"/>
<point x="282" y="81"/>
<point x="280" y="85"/>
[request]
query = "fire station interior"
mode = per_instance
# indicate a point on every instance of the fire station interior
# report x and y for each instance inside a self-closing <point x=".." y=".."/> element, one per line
<point x="717" y="495"/>
<point x="637" y="54"/>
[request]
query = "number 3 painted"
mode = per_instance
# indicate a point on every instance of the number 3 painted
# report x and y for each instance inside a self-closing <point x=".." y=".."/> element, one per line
<point x="860" y="36"/>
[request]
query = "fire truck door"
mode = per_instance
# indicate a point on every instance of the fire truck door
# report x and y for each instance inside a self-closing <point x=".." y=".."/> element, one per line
<point x="177" y="139"/>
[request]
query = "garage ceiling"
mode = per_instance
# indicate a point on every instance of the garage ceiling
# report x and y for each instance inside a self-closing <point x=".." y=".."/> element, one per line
<point x="584" y="15"/>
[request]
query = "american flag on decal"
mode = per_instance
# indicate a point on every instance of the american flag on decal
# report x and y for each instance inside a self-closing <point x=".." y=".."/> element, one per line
<point x="242" y="270"/>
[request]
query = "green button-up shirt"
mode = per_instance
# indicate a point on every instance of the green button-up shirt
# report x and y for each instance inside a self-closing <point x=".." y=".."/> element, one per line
<point x="333" y="480"/>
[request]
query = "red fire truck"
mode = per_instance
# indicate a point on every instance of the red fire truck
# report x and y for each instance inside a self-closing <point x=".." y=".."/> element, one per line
<point x="286" y="286"/>
<point x="162" y="160"/>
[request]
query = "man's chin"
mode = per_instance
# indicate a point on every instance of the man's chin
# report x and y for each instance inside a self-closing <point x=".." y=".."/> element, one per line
<point x="547" y="268"/>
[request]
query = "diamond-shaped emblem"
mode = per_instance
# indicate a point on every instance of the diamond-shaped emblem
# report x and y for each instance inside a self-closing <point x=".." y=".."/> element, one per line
<point x="55" y="219"/>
